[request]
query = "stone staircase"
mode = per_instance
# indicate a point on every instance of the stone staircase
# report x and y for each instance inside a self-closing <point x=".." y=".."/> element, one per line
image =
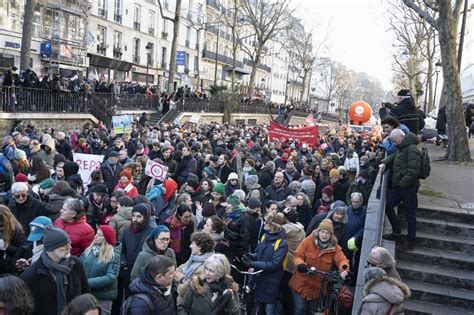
<point x="440" y="269"/>
<point x="154" y="118"/>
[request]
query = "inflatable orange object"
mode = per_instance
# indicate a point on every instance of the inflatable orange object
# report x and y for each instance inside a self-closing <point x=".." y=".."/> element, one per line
<point x="359" y="113"/>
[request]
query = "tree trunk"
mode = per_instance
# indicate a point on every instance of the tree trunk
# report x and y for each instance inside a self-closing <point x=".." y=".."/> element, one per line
<point x="458" y="146"/>
<point x="174" y="46"/>
<point x="27" y="33"/>
<point x="253" y="74"/>
<point x="303" y="92"/>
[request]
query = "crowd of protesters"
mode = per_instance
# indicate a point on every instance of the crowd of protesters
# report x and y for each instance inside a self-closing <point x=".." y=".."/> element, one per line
<point x="230" y="197"/>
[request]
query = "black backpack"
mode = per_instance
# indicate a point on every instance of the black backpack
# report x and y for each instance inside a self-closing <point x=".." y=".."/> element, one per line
<point x="425" y="164"/>
<point x="125" y="309"/>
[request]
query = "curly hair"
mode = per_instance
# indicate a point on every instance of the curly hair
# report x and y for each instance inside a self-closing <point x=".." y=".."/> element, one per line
<point x="204" y="241"/>
<point x="9" y="223"/>
<point x="16" y="296"/>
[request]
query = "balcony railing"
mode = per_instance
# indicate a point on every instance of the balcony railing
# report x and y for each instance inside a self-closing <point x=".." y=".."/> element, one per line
<point x="221" y="58"/>
<point x="151" y="30"/>
<point x="136" y="26"/>
<point x="118" y="52"/>
<point x="186" y="43"/>
<point x="261" y="66"/>
<point x="118" y="18"/>
<point x="164" y="35"/>
<point x="136" y="59"/>
<point x="102" y="12"/>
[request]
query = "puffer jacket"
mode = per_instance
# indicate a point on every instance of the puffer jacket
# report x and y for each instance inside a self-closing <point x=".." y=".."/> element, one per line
<point x="271" y="262"/>
<point x="381" y="294"/>
<point x="80" y="233"/>
<point x="309" y="253"/>
<point x="277" y="193"/>
<point x="54" y="206"/>
<point x="110" y="174"/>
<point x="102" y="277"/>
<point x="407" y="114"/>
<point x="294" y="236"/>
<point x="148" y="252"/>
<point x="239" y="234"/>
<point x="198" y="299"/>
<point x="121" y="220"/>
<point x="406" y="163"/>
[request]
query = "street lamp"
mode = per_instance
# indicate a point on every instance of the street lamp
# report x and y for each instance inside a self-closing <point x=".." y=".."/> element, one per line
<point x="438" y="67"/>
<point x="148" y="48"/>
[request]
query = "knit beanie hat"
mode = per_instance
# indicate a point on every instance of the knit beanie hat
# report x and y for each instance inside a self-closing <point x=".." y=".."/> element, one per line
<point x="254" y="203"/>
<point x="251" y="180"/>
<point x="127" y="173"/>
<point x="334" y="173"/>
<point x="233" y="200"/>
<point x="219" y="188"/>
<point x="19" y="154"/>
<point x="100" y="189"/>
<point x="233" y="176"/>
<point x="20" y="177"/>
<point x="47" y="183"/>
<point x="70" y="168"/>
<point x="54" y="238"/>
<point x="109" y="234"/>
<point x="141" y="208"/>
<point x="326" y="225"/>
<point x="157" y="230"/>
<point x="209" y="170"/>
<point x="208" y="210"/>
<point x="328" y="191"/>
<point x="239" y="193"/>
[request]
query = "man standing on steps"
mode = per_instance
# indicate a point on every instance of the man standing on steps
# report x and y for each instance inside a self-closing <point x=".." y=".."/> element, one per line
<point x="406" y="167"/>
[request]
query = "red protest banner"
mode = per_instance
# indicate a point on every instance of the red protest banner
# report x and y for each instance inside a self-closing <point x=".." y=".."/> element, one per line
<point x="307" y="135"/>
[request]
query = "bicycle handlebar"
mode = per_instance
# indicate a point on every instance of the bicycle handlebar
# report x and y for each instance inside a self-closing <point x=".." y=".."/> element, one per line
<point x="250" y="273"/>
<point x="332" y="276"/>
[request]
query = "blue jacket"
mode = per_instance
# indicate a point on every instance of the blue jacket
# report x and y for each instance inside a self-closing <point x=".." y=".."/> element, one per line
<point x="102" y="278"/>
<point x="271" y="261"/>
<point x="391" y="148"/>
<point x="356" y="222"/>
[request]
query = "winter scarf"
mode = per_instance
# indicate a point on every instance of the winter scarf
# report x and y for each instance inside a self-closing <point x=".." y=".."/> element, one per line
<point x="237" y="212"/>
<point x="193" y="263"/>
<point x="176" y="231"/>
<point x="60" y="271"/>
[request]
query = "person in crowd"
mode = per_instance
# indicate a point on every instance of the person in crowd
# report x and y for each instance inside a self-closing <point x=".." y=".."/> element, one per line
<point x="214" y="226"/>
<point x="111" y="170"/>
<point x="181" y="227"/>
<point x="214" y="292"/>
<point x="96" y="202"/>
<point x="323" y="204"/>
<point x="383" y="294"/>
<point x="362" y="185"/>
<point x="101" y="261"/>
<point x="202" y="247"/>
<point x="223" y="168"/>
<point x="303" y="208"/>
<point x="154" y="285"/>
<point x="12" y="239"/>
<point x="188" y="165"/>
<point x="407" y="113"/>
<point x="278" y="189"/>
<point x="48" y="151"/>
<point x="24" y="207"/>
<point x="84" y="304"/>
<point x="72" y="176"/>
<point x="57" y="276"/>
<point x="157" y="243"/>
<point x="73" y="221"/>
<point x="58" y="172"/>
<point x="39" y="171"/>
<point x="381" y="257"/>
<point x="406" y="167"/>
<point x="125" y="184"/>
<point x="170" y="162"/>
<point x="351" y="164"/>
<point x="124" y="159"/>
<point x="122" y="219"/>
<point x="319" y="250"/>
<point x="56" y="199"/>
<point x="269" y="257"/>
<point x="232" y="184"/>
<point x="15" y="296"/>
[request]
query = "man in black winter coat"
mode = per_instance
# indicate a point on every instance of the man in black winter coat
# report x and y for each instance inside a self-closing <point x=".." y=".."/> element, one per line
<point x="24" y="207"/>
<point x="407" y="113"/>
<point x="110" y="170"/>
<point x="56" y="277"/>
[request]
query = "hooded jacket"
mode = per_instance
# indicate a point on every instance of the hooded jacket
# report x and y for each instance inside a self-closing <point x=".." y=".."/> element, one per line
<point x="148" y="252"/>
<point x="48" y="158"/>
<point x="121" y="220"/>
<point x="294" y="236"/>
<point x="381" y="293"/>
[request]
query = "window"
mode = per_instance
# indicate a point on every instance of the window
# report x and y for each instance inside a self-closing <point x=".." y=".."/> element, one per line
<point x="196" y="63"/>
<point x="118" y="11"/>
<point x="101" y="40"/>
<point x="136" y="50"/>
<point x="14" y="11"/>
<point x="37" y="21"/>
<point x="117" y="44"/>
<point x="75" y="27"/>
<point x="101" y="8"/>
<point x="151" y="22"/>
<point x="187" y="61"/>
<point x="163" y="57"/>
<point x="137" y="17"/>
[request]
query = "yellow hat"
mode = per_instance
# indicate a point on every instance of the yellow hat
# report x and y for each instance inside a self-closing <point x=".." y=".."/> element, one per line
<point x="326" y="225"/>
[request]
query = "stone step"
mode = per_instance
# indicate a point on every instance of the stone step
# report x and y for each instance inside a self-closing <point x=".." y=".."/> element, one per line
<point x="439" y="257"/>
<point x="434" y="274"/>
<point x="448" y="214"/>
<point x="444" y="227"/>
<point x="446" y="296"/>
<point x="414" y="307"/>
<point x="454" y="243"/>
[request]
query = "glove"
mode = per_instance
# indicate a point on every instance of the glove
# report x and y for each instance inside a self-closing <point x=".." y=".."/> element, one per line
<point x="247" y="261"/>
<point x="302" y="268"/>
<point x="351" y="244"/>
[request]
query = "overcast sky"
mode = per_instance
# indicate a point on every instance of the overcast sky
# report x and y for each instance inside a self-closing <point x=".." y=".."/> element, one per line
<point x="356" y="31"/>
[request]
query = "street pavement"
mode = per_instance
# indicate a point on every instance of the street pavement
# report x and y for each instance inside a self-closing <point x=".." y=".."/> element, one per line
<point x="449" y="184"/>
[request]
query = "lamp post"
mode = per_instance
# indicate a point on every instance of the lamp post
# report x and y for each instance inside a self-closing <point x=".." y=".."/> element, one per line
<point x="438" y="66"/>
<point x="148" y="48"/>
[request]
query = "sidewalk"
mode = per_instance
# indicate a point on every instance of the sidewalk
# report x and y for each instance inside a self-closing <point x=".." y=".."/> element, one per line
<point x="449" y="185"/>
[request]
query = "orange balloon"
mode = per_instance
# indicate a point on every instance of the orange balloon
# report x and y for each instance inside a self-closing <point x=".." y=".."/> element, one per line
<point x="359" y="113"/>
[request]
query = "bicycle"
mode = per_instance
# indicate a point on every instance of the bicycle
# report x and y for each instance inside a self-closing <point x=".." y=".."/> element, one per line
<point x="333" y="282"/>
<point x="245" y="294"/>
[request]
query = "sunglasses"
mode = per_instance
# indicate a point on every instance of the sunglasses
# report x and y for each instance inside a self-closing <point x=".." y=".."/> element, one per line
<point x="22" y="196"/>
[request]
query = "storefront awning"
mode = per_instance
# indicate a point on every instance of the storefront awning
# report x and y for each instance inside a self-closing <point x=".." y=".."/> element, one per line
<point x="237" y="70"/>
<point x="104" y="62"/>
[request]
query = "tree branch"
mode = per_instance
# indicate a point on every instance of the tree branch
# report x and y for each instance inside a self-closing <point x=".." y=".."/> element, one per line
<point x="422" y="13"/>
<point x="162" y="15"/>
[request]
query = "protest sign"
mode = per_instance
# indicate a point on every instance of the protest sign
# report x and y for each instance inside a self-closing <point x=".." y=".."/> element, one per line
<point x="156" y="170"/>
<point x="122" y="124"/>
<point x="87" y="163"/>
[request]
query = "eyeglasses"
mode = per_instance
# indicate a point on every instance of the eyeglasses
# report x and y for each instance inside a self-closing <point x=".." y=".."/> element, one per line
<point x="18" y="196"/>
<point x="370" y="264"/>
<point x="164" y="239"/>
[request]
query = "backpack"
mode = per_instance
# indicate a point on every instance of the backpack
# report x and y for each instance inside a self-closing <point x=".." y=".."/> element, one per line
<point x="275" y="247"/>
<point x="425" y="164"/>
<point x="125" y="309"/>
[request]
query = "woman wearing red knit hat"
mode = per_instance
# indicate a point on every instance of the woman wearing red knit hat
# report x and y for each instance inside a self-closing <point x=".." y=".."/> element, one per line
<point x="126" y="185"/>
<point x="101" y="262"/>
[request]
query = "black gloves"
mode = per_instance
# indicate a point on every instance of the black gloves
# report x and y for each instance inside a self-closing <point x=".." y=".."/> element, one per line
<point x="302" y="268"/>
<point x="247" y="261"/>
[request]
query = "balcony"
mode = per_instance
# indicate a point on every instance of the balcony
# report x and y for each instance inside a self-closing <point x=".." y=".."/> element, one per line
<point x="163" y="64"/>
<point x="164" y="35"/>
<point x="136" y="26"/>
<point x="102" y="48"/>
<point x="221" y="58"/>
<point x="118" y="52"/>
<point x="151" y="62"/>
<point x="197" y="46"/>
<point x="186" y="43"/>
<point x="212" y="29"/>
<point x="136" y="59"/>
<point x="261" y="66"/>
<point x="118" y="18"/>
<point x="102" y="12"/>
<point x="151" y="30"/>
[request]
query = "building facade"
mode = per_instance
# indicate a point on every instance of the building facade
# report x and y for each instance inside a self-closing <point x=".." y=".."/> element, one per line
<point x="467" y="66"/>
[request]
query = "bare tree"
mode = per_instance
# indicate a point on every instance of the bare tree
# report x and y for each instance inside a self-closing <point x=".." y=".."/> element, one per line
<point x="446" y="25"/>
<point x="26" y="35"/>
<point x="174" y="42"/>
<point x="329" y="79"/>
<point x="267" y="18"/>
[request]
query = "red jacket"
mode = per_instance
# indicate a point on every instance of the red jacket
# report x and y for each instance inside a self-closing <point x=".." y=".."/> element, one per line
<point x="80" y="233"/>
<point x="132" y="193"/>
